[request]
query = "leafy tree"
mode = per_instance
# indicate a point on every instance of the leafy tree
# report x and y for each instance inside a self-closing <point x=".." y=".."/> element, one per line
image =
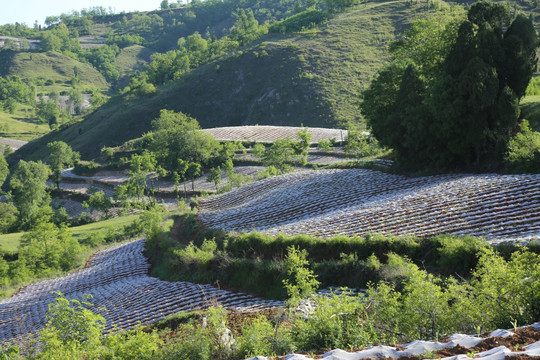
<point x="301" y="282"/>
<point x="460" y="107"/>
<point x="75" y="101"/>
<point x="71" y="322"/>
<point x="193" y="170"/>
<point x="338" y="5"/>
<point x="524" y="150"/>
<point x="246" y="27"/>
<point x="301" y="146"/>
<point x="180" y="174"/>
<point x="427" y="43"/>
<point x="98" y="201"/>
<point x="4" y="170"/>
<point x="46" y="248"/>
<point x="215" y="176"/>
<point x="280" y="154"/>
<point x="29" y="189"/>
<point x="48" y="112"/>
<point x="325" y="145"/>
<point x="145" y="162"/>
<point x="136" y="185"/>
<point x="60" y="156"/>
<point x="60" y="39"/>
<point x="168" y="66"/>
<point x="177" y="136"/>
<point x="361" y="144"/>
<point x="103" y="58"/>
<point x="150" y="221"/>
<point x="234" y="179"/>
<point x="8" y="217"/>
<point x="50" y="42"/>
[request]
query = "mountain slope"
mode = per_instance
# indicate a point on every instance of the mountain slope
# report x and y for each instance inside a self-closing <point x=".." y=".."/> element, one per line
<point x="49" y="66"/>
<point x="311" y="78"/>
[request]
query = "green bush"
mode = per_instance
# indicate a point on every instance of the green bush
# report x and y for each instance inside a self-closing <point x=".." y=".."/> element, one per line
<point x="262" y="338"/>
<point x="212" y="340"/>
<point x="335" y="321"/>
<point x="523" y="154"/>
<point x="132" y="345"/>
<point x="86" y="168"/>
<point x="304" y="20"/>
<point x="300" y="282"/>
<point x="425" y="306"/>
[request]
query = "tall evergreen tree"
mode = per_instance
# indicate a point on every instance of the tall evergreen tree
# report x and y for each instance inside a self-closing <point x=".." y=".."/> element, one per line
<point x="467" y="110"/>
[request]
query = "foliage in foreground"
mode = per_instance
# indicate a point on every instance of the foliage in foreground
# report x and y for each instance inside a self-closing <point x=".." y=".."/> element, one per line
<point x="254" y="262"/>
<point x="418" y="306"/>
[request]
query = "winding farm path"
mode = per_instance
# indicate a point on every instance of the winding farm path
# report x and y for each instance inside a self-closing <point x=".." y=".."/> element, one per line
<point x="123" y="293"/>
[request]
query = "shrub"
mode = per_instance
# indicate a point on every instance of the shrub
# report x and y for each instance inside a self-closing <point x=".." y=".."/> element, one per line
<point x="523" y="154"/>
<point x="71" y="328"/>
<point x="336" y="321"/>
<point x="302" y="21"/>
<point x="262" y="338"/>
<point x="132" y="345"/>
<point x="211" y="340"/>
<point x="301" y="282"/>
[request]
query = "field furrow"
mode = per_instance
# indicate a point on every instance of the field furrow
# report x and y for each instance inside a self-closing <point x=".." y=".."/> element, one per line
<point x="122" y="292"/>
<point x="357" y="202"/>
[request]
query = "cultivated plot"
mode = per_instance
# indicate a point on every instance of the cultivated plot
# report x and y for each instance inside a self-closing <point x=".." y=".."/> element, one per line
<point x="268" y="134"/>
<point x="357" y="202"/>
<point x="122" y="292"/>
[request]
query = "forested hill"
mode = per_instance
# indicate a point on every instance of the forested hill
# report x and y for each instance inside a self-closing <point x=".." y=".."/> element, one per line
<point x="312" y="77"/>
<point x="233" y="63"/>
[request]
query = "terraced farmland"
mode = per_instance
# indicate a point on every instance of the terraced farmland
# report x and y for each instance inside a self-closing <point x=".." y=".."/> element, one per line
<point x="356" y="202"/>
<point x="123" y="293"/>
<point x="118" y="177"/>
<point x="268" y="134"/>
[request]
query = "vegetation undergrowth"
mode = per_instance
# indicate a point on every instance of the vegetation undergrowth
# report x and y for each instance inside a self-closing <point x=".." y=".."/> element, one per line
<point x="254" y="261"/>
<point x="48" y="251"/>
<point x="416" y="305"/>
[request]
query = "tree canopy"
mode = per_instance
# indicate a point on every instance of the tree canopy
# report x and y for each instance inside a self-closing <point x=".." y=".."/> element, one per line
<point x="460" y="108"/>
<point x="60" y="156"/>
<point x="30" y="189"/>
<point x="177" y="136"/>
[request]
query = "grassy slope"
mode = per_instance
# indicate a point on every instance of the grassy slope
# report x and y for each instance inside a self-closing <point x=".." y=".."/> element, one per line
<point x="42" y="66"/>
<point x="19" y="127"/>
<point x="132" y="58"/>
<point x="312" y="79"/>
<point x="10" y="242"/>
<point x="51" y="65"/>
<point x="530" y="110"/>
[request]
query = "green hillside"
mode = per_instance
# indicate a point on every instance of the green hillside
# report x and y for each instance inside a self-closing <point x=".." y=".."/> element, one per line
<point x="312" y="78"/>
<point x="17" y="126"/>
<point x="49" y="66"/>
<point x="132" y="58"/>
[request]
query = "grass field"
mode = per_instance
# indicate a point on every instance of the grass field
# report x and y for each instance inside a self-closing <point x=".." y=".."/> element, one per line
<point x="50" y="66"/>
<point x="530" y="110"/>
<point x="132" y="58"/>
<point x="19" y="126"/>
<point x="10" y="242"/>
